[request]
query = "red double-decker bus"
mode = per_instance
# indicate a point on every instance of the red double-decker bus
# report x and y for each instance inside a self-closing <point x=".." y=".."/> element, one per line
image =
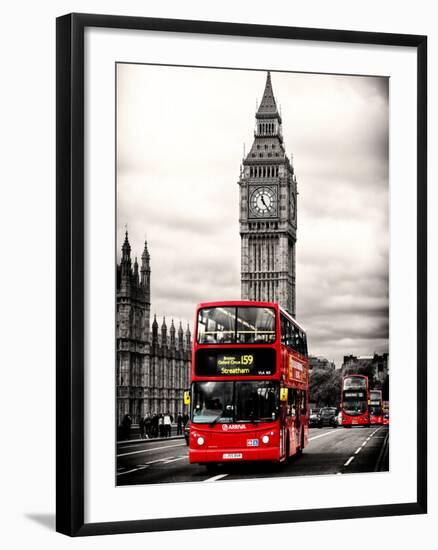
<point x="249" y="390"/>
<point x="376" y="407"/>
<point x="355" y="400"/>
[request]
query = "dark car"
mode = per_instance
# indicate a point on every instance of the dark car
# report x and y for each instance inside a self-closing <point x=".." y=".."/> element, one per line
<point x="314" y="418"/>
<point x="328" y="417"/>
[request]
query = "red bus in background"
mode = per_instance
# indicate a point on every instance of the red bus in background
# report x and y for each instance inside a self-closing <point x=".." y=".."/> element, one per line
<point x="385" y="406"/>
<point x="355" y="401"/>
<point x="249" y="390"/>
<point x="376" y="408"/>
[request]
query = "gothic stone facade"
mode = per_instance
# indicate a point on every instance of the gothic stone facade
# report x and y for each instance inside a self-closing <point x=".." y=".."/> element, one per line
<point x="268" y="212"/>
<point x="153" y="365"/>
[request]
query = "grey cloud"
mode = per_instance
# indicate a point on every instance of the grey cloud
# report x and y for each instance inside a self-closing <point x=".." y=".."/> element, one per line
<point x="180" y="143"/>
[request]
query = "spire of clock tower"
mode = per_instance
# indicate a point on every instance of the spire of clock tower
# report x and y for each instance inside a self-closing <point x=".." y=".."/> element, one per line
<point x="268" y="105"/>
<point x="268" y="223"/>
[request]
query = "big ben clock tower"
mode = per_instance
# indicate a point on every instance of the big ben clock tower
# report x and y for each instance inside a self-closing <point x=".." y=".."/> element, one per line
<point x="268" y="212"/>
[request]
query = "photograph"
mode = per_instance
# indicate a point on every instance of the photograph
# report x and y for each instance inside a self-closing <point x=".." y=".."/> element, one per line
<point x="252" y="274"/>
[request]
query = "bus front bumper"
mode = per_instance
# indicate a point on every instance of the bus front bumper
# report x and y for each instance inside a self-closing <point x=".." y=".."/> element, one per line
<point x="201" y="456"/>
<point x="355" y="421"/>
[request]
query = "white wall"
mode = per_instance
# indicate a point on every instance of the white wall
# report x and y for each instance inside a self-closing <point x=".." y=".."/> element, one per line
<point x="27" y="217"/>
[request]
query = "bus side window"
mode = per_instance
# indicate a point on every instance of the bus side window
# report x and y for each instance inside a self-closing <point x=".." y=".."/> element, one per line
<point x="305" y="345"/>
<point x="290" y="335"/>
<point x="300" y="339"/>
<point x="283" y="330"/>
<point x="303" y="403"/>
<point x="291" y="402"/>
<point x="295" y="338"/>
<point x="298" y="401"/>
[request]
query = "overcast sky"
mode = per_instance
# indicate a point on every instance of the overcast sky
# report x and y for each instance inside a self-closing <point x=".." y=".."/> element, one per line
<point x="180" y="138"/>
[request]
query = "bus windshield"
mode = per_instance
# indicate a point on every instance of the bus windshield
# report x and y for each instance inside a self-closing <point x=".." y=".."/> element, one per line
<point x="236" y="325"/>
<point x="354" y="404"/>
<point x="225" y="402"/>
<point x="354" y="382"/>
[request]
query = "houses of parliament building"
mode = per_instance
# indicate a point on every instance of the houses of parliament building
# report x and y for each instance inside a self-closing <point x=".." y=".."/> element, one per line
<point x="153" y="363"/>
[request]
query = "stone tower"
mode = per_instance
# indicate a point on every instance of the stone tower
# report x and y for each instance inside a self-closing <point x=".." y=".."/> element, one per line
<point x="268" y="212"/>
<point x="133" y="317"/>
<point x="153" y="366"/>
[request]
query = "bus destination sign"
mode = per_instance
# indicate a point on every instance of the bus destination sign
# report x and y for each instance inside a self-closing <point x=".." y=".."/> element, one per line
<point x="233" y="362"/>
<point x="358" y="394"/>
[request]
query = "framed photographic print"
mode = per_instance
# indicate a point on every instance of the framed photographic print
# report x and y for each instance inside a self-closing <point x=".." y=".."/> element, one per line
<point x="241" y="274"/>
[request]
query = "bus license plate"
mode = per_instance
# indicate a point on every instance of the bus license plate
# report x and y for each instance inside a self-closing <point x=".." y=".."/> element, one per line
<point x="252" y="442"/>
<point x="231" y="455"/>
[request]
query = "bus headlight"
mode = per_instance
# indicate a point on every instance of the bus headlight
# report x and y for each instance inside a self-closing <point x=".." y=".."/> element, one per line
<point x="265" y="439"/>
<point x="200" y="440"/>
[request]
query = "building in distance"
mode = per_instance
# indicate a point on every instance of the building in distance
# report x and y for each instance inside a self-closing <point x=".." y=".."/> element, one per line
<point x="320" y="362"/>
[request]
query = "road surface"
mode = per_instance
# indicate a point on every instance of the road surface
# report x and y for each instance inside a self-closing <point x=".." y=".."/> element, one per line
<point x="330" y="451"/>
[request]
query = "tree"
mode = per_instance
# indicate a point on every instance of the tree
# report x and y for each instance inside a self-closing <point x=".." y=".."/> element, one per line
<point x="325" y="386"/>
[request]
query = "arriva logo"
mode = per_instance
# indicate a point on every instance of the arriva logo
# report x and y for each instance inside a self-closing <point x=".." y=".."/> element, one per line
<point x="226" y="427"/>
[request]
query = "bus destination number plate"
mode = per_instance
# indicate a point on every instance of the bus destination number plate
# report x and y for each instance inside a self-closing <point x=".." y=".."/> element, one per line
<point x="231" y="455"/>
<point x="252" y="442"/>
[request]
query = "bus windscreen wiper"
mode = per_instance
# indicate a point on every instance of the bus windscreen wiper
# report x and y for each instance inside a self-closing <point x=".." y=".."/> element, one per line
<point x="216" y="420"/>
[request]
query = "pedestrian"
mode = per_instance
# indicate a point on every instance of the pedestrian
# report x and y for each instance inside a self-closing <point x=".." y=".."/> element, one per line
<point x="154" y="425"/>
<point x="179" y="424"/>
<point x="167" y="421"/>
<point x="147" y="426"/>
<point x="161" y="428"/>
<point x="185" y="418"/>
<point x="126" y="426"/>
<point x="141" y="427"/>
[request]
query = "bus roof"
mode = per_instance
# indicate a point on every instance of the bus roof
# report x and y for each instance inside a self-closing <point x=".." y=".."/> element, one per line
<point x="242" y="303"/>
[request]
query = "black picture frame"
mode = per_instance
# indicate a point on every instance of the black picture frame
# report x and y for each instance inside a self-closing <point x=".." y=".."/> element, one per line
<point x="70" y="272"/>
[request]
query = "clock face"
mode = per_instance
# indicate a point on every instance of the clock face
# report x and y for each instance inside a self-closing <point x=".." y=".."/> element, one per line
<point x="263" y="202"/>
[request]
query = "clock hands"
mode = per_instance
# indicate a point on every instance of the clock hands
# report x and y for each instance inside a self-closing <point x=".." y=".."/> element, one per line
<point x="263" y="202"/>
<point x="268" y="208"/>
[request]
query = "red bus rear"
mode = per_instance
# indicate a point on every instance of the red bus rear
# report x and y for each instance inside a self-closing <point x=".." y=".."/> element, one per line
<point x="249" y="391"/>
<point x="376" y="407"/>
<point x="355" y="398"/>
